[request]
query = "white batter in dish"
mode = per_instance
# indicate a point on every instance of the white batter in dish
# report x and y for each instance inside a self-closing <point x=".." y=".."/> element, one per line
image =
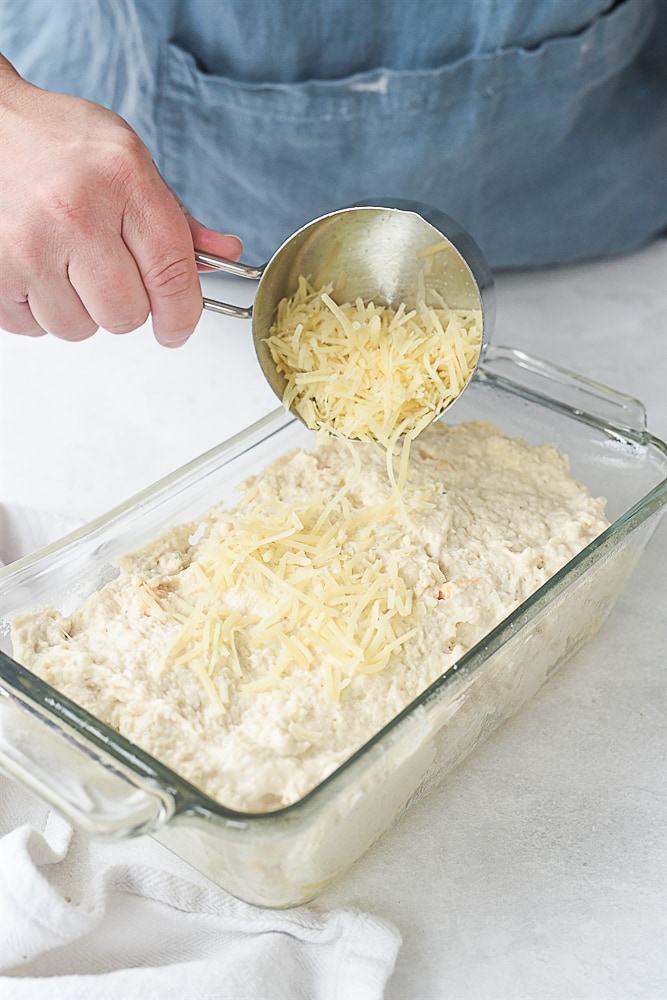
<point x="255" y="651"/>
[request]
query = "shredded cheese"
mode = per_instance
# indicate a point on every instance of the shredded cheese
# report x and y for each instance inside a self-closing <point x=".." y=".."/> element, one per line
<point x="361" y="372"/>
<point x="370" y="372"/>
<point x="318" y="585"/>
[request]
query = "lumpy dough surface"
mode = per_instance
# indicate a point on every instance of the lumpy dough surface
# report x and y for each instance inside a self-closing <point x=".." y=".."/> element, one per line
<point x="255" y="650"/>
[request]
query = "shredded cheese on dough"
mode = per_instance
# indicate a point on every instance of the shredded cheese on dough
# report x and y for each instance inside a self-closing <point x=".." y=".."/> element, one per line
<point x="323" y="596"/>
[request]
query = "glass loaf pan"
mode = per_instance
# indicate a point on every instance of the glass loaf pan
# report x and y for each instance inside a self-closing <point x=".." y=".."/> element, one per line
<point x="109" y="788"/>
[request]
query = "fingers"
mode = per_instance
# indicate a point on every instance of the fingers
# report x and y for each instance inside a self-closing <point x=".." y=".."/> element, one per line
<point x="54" y="308"/>
<point x="48" y="305"/>
<point x="103" y="284"/>
<point x="136" y="256"/>
<point x="16" y="317"/>
<point x="162" y="236"/>
<point x="157" y="235"/>
<point x="90" y="234"/>
<point x="71" y="303"/>
<point x="210" y="241"/>
<point x="163" y="241"/>
<point x="57" y="309"/>
<point x="107" y="279"/>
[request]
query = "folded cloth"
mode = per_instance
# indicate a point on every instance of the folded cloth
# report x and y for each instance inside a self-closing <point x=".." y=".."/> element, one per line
<point x="24" y="530"/>
<point x="80" y="919"/>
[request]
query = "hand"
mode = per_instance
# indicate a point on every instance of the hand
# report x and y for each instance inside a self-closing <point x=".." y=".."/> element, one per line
<point x="90" y="234"/>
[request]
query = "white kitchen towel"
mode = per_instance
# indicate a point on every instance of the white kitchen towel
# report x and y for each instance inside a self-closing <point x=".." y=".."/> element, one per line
<point x="24" y="530"/>
<point x="80" y="919"/>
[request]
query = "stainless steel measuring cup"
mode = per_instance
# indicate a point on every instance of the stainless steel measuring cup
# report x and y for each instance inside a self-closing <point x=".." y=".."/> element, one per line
<point x="372" y="251"/>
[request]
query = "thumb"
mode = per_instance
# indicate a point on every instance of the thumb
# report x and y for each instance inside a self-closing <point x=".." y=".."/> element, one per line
<point x="205" y="239"/>
<point x="209" y="241"/>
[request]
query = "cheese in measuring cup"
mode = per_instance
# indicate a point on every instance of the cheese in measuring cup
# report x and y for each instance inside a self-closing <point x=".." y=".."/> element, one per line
<point x="370" y="372"/>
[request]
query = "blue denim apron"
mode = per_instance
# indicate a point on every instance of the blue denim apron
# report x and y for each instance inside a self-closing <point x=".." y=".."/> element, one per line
<point x="540" y="126"/>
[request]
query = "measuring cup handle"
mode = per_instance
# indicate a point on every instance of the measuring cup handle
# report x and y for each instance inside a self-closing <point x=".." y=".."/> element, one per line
<point x="236" y="268"/>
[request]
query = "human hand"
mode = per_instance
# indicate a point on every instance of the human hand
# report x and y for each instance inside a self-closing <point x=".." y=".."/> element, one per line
<point x="90" y="234"/>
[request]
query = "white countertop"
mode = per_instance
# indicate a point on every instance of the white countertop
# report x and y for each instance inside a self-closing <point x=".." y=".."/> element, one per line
<point x="538" y="869"/>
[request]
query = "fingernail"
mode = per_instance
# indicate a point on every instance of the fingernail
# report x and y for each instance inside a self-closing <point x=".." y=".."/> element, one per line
<point x="176" y="341"/>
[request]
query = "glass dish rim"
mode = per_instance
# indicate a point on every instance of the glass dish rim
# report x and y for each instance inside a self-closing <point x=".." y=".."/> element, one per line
<point x="59" y="710"/>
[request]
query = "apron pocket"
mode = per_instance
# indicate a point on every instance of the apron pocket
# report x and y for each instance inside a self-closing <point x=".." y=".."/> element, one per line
<point x="499" y="141"/>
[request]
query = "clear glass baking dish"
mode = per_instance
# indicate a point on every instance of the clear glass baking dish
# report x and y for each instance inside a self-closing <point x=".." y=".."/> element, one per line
<point x="109" y="788"/>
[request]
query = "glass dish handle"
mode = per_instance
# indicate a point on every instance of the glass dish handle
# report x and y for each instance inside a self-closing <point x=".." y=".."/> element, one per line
<point x="94" y="792"/>
<point x="563" y="388"/>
